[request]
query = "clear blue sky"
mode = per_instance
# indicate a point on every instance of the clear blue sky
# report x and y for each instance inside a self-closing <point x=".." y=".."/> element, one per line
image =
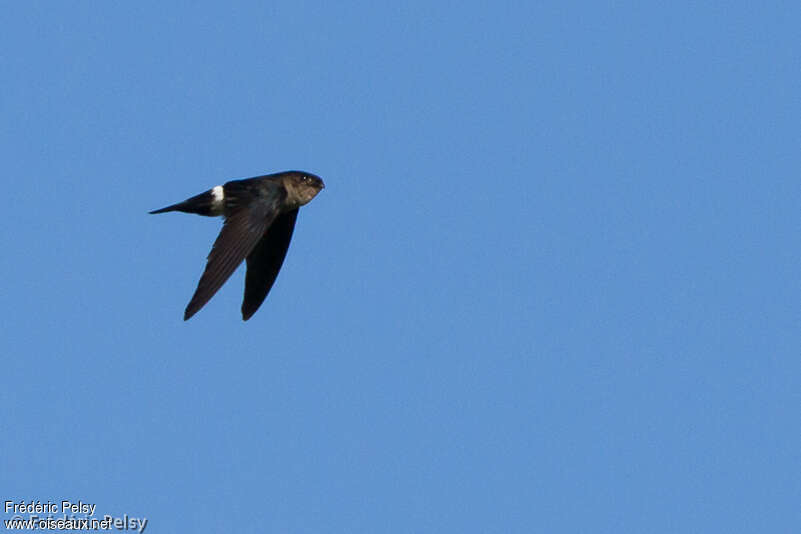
<point x="552" y="284"/>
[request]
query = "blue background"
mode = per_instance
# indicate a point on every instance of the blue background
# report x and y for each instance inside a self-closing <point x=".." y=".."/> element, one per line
<point x="552" y="284"/>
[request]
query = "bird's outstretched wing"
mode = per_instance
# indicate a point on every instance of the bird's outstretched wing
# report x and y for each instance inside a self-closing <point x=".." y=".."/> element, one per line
<point x="265" y="261"/>
<point x="248" y="218"/>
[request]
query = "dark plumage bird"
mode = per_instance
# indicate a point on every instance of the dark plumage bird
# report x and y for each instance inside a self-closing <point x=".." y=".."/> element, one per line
<point x="259" y="216"/>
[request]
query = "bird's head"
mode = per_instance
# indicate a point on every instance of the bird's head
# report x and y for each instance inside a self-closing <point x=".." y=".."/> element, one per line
<point x="302" y="186"/>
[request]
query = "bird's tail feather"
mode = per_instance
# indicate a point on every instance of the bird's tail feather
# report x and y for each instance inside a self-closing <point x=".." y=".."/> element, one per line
<point x="202" y="204"/>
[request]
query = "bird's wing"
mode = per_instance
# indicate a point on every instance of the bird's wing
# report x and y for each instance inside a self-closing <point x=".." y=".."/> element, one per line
<point x="249" y="218"/>
<point x="265" y="261"/>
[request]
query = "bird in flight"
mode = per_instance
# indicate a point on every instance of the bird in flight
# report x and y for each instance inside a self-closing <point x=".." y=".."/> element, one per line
<point x="259" y="217"/>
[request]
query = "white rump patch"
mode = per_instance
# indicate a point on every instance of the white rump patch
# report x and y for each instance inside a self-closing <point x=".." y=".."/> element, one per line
<point x="218" y="194"/>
